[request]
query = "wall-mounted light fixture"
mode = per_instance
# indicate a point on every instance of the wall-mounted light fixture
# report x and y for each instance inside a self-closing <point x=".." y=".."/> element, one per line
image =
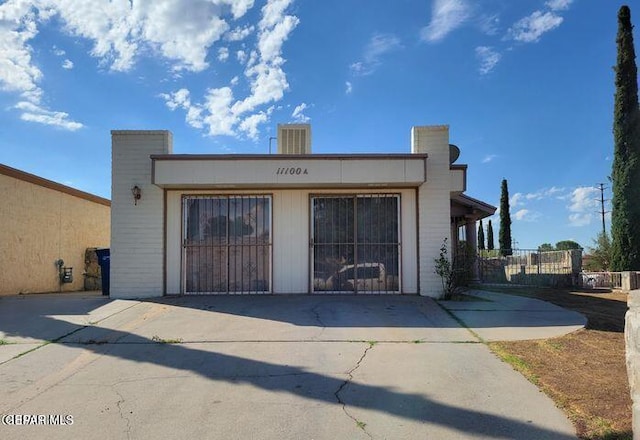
<point x="137" y="194"/>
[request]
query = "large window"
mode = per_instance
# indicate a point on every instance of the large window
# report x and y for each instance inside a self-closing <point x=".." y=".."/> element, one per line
<point x="227" y="244"/>
<point x="355" y="243"/>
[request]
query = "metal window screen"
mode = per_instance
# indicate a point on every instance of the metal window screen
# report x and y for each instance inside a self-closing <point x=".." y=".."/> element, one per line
<point x="227" y="244"/>
<point x="356" y="243"/>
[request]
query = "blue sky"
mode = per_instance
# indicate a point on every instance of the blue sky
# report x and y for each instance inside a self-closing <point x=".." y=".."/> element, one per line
<point x="526" y="87"/>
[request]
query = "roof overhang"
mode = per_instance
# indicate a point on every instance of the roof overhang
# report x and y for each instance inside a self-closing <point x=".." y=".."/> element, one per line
<point x="174" y="171"/>
<point x="463" y="205"/>
<point x="45" y="183"/>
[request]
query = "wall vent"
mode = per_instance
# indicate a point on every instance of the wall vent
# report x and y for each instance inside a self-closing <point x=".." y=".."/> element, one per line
<point x="294" y="139"/>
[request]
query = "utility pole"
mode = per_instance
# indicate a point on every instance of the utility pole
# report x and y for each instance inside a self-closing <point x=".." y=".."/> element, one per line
<point x="601" y="187"/>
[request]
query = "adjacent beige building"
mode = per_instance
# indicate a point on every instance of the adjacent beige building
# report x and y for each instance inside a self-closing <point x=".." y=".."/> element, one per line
<point x="44" y="222"/>
<point x="288" y="223"/>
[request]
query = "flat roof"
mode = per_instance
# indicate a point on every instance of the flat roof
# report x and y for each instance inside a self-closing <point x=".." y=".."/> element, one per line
<point x="287" y="156"/>
<point x="50" y="184"/>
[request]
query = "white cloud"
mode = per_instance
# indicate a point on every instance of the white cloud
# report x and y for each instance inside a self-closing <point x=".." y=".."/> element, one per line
<point x="179" y="98"/>
<point x="17" y="72"/>
<point x="67" y="64"/>
<point x="580" y="219"/>
<point x="238" y="7"/>
<point x="544" y="193"/>
<point x="488" y="158"/>
<point x="298" y="114"/>
<point x="526" y="215"/>
<point x="348" y="87"/>
<point x="377" y="47"/>
<point x="250" y="124"/>
<point x="239" y="33"/>
<point x="584" y="203"/>
<point x="584" y="198"/>
<point x="488" y="24"/>
<point x="122" y="29"/>
<point x="558" y="5"/>
<point x="529" y="29"/>
<point x="521" y="199"/>
<point x="35" y="113"/>
<point x="446" y="16"/>
<point x="516" y="200"/>
<point x="554" y="190"/>
<point x="223" y="54"/>
<point x="488" y="58"/>
<point x="221" y="113"/>
<point x="119" y="31"/>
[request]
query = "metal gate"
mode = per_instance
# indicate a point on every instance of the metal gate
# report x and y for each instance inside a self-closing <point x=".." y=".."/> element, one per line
<point x="226" y="244"/>
<point x="355" y="245"/>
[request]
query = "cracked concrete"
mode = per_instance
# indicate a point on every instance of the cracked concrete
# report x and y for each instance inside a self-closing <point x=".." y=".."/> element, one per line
<point x="264" y="367"/>
<point x="361" y="424"/>
<point x="120" y="411"/>
<point x="321" y="323"/>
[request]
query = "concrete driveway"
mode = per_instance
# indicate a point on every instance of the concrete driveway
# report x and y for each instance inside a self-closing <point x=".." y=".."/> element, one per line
<point x="273" y="367"/>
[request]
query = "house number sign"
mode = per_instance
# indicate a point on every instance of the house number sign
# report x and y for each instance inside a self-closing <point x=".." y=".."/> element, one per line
<point x="291" y="171"/>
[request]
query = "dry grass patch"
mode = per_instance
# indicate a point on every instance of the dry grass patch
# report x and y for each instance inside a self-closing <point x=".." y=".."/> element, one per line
<point x="583" y="372"/>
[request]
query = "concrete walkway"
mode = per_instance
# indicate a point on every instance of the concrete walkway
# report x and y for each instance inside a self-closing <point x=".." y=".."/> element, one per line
<point x="291" y="367"/>
<point x="501" y="317"/>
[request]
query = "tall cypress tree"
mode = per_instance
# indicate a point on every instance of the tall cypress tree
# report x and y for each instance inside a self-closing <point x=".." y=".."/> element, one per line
<point x="504" y="236"/>
<point x="490" y="243"/>
<point x="625" y="175"/>
<point x="480" y="236"/>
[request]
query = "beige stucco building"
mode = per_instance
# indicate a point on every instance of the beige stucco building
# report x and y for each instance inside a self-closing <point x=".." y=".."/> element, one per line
<point x="44" y="222"/>
<point x="287" y="223"/>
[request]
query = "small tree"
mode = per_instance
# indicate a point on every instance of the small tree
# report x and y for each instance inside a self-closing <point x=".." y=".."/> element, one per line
<point x="480" y="236"/>
<point x="504" y="237"/>
<point x="490" y="242"/>
<point x="600" y="253"/>
<point x="567" y="245"/>
<point x="546" y="247"/>
<point x="455" y="272"/>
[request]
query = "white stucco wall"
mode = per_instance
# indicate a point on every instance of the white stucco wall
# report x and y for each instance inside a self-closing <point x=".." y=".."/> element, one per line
<point x="290" y="235"/>
<point x="139" y="237"/>
<point x="137" y="231"/>
<point x="275" y="172"/>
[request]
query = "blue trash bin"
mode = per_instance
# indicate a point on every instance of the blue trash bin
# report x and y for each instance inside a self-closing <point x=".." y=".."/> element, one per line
<point x="104" y="261"/>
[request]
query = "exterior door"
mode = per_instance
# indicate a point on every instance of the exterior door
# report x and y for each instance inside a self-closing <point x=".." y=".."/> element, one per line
<point x="355" y="243"/>
<point x="226" y="244"/>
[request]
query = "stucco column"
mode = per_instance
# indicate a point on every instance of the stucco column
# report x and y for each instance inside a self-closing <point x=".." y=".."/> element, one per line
<point x="472" y="247"/>
<point x="137" y="227"/>
<point x="434" y="203"/>
<point x="632" y="342"/>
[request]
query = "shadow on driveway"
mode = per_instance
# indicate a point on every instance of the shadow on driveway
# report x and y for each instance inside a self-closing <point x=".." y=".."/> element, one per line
<point x="214" y="366"/>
